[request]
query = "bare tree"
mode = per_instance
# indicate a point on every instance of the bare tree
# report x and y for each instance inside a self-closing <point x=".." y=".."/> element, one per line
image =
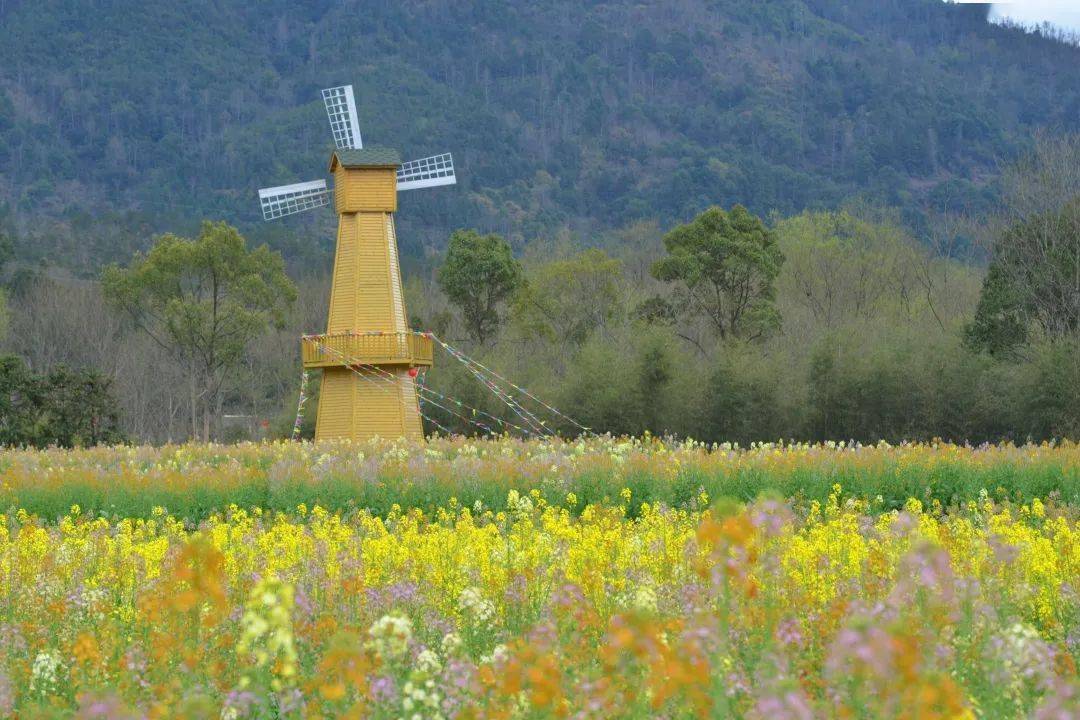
<point x="1035" y="275"/>
<point x="67" y="322"/>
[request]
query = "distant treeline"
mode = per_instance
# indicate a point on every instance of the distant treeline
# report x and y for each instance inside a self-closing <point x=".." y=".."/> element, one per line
<point x="824" y="325"/>
<point x="728" y="327"/>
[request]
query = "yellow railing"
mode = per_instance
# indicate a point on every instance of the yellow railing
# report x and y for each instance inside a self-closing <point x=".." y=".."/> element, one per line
<point x="375" y="348"/>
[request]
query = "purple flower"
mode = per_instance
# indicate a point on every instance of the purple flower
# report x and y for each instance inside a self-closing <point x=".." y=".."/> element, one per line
<point x="790" y="705"/>
<point x="1062" y="702"/>
<point x="789" y="632"/>
<point x="290" y="701"/>
<point x="384" y="690"/>
<point x="515" y="590"/>
<point x="7" y="696"/>
<point x="867" y="647"/>
<point x="770" y="516"/>
<point x="97" y="708"/>
<point x="1004" y="552"/>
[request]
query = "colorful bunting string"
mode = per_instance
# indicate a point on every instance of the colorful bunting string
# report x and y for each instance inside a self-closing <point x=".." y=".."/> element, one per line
<point x="533" y="424"/>
<point x="468" y="361"/>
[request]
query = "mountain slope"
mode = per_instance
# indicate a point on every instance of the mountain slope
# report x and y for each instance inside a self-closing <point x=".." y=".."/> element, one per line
<point x="119" y="118"/>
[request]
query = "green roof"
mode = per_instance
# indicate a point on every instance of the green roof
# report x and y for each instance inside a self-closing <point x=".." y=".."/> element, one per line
<point x="367" y="157"/>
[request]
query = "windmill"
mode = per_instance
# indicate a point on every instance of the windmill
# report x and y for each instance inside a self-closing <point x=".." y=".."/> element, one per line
<point x="368" y="356"/>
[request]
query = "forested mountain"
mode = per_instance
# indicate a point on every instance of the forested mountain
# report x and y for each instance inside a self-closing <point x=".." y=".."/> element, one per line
<point x="121" y="118"/>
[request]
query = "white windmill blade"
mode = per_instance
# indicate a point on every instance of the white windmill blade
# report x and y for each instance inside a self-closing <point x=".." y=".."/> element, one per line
<point x="285" y="200"/>
<point x="426" y="172"/>
<point x="344" y="123"/>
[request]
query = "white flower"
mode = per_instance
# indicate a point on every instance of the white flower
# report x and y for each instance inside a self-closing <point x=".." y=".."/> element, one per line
<point x="644" y="599"/>
<point x="499" y="653"/>
<point x="45" y="673"/>
<point x="475" y="608"/>
<point x="390" y="636"/>
<point x="416" y="697"/>
<point x="428" y="663"/>
<point x="451" y="643"/>
<point x="518" y="504"/>
<point x="1022" y="655"/>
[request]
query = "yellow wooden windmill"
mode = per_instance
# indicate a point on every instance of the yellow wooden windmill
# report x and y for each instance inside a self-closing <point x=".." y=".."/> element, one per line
<point x="368" y="356"/>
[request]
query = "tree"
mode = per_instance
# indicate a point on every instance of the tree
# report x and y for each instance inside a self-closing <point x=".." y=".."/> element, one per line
<point x="479" y="275"/>
<point x="79" y="408"/>
<point x="1040" y="259"/>
<point x="566" y="300"/>
<point x="20" y="397"/>
<point x="1033" y="283"/>
<point x="739" y="397"/>
<point x="5" y="318"/>
<point x="7" y="245"/>
<point x="725" y="264"/>
<point x="204" y="301"/>
<point x="7" y="251"/>
<point x="1000" y="324"/>
<point x="66" y="407"/>
<point x="61" y="321"/>
<point x="1034" y="277"/>
<point x="655" y="370"/>
<point x="838" y="267"/>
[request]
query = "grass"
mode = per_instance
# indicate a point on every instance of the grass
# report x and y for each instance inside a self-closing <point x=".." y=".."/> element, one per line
<point x="196" y="481"/>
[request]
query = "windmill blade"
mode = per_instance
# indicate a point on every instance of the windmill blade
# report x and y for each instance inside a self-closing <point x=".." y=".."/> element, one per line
<point x="426" y="172"/>
<point x="285" y="200"/>
<point x="344" y="124"/>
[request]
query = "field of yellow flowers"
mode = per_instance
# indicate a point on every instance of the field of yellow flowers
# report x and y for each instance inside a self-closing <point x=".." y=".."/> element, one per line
<point x="601" y="578"/>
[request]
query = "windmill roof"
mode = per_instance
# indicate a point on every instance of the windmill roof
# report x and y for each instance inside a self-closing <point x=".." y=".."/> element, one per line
<point x="366" y="157"/>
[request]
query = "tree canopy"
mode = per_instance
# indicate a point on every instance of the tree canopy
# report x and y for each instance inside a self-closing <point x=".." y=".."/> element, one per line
<point x="724" y="265"/>
<point x="203" y="300"/>
<point x="1033" y="283"/>
<point x="63" y="407"/>
<point x="565" y="300"/>
<point x="480" y="274"/>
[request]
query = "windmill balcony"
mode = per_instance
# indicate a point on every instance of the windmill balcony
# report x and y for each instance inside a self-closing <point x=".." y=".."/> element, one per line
<point x="366" y="348"/>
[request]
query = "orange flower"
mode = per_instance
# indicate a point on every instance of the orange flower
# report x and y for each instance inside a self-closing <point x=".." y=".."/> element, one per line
<point x="85" y="649"/>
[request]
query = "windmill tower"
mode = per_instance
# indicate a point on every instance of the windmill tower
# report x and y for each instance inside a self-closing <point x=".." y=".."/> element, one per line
<point x="368" y="355"/>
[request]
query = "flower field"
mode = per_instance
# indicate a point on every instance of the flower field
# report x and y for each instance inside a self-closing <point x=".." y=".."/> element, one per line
<point x="507" y="579"/>
<point x="192" y="481"/>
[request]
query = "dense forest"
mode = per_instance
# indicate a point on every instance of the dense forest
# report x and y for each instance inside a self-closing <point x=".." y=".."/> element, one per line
<point x="119" y="119"/>
<point x="905" y="176"/>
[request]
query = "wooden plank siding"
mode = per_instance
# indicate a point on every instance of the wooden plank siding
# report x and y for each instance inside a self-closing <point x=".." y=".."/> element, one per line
<point x="367" y="403"/>
<point x="366" y="290"/>
<point x="366" y="296"/>
<point x="365" y="189"/>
